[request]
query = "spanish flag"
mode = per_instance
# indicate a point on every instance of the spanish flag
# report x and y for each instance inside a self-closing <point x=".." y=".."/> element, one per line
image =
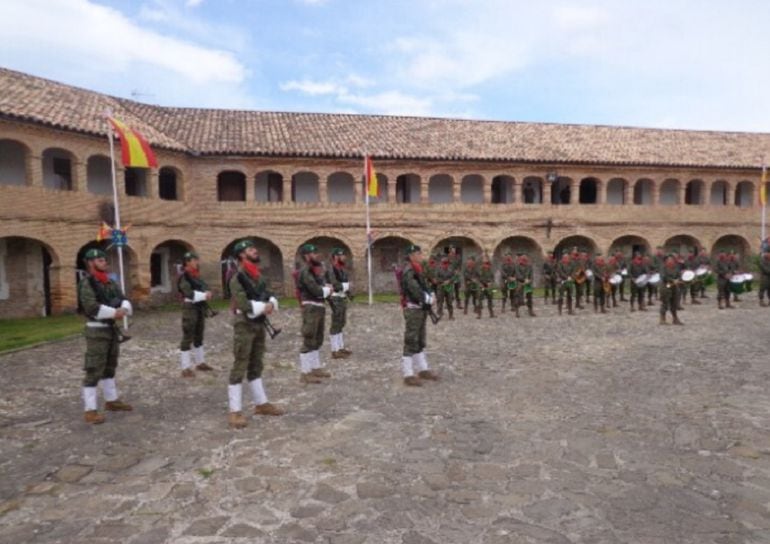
<point x="372" y="187"/>
<point x="105" y="232"/>
<point x="135" y="150"/>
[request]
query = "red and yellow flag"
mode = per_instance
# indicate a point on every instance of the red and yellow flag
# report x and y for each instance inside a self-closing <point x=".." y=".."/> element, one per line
<point x="105" y="232"/>
<point x="372" y="185"/>
<point x="135" y="150"/>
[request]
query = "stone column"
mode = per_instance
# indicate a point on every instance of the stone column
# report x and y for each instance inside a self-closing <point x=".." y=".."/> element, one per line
<point x="358" y="189"/>
<point x="655" y="192"/>
<point x="79" y="176"/>
<point x="681" y="191"/>
<point x="34" y="166"/>
<point x="153" y="182"/>
<point x="323" y="189"/>
<point x="287" y="188"/>
<point x="628" y="193"/>
<point x="392" y="183"/>
<point x="602" y="189"/>
<point x="574" y="188"/>
<point x="63" y="288"/>
<point x="547" y="191"/>
<point x="730" y="194"/>
<point x="486" y="187"/>
<point x="456" y="188"/>
<point x="424" y="186"/>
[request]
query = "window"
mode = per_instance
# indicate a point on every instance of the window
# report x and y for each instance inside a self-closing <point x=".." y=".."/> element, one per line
<point x="167" y="184"/>
<point x="231" y="186"/>
<point x="159" y="275"/>
<point x="136" y="181"/>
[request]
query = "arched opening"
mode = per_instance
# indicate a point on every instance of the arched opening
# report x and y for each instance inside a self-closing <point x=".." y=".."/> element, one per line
<point x="521" y="244"/>
<point x="472" y="189"/>
<point x="387" y="253"/>
<point x="718" y="193"/>
<point x="669" y="193"/>
<point x="270" y="263"/>
<point x="57" y="169"/>
<point x="629" y="245"/>
<point x="407" y="188"/>
<point x="268" y="187"/>
<point x="130" y="264"/>
<point x="733" y="242"/>
<point x="589" y="191"/>
<point x="165" y="266"/>
<point x="581" y="243"/>
<point x="465" y="246"/>
<point x="99" y="175"/>
<point x="168" y="180"/>
<point x="231" y="186"/>
<point x="136" y="181"/>
<point x="382" y="183"/>
<point x="744" y="194"/>
<point x="325" y="244"/>
<point x="304" y="188"/>
<point x="693" y="193"/>
<point x="532" y="190"/>
<point x="643" y="192"/>
<point x="616" y="191"/>
<point x="339" y="188"/>
<point x="13" y="163"/>
<point x="440" y="189"/>
<point x="682" y="244"/>
<point x="502" y="190"/>
<point x="560" y="191"/>
<point x="25" y="279"/>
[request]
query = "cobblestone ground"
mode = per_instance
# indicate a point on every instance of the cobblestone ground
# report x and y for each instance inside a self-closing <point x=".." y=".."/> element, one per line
<point x="592" y="429"/>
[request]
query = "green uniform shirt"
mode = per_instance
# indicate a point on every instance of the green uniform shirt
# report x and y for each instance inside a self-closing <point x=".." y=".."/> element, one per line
<point x="112" y="296"/>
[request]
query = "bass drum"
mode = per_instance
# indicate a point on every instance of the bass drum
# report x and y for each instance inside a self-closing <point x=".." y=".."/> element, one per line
<point x="737" y="284"/>
<point x="641" y="281"/>
<point x="688" y="276"/>
<point x="616" y="279"/>
<point x="654" y="279"/>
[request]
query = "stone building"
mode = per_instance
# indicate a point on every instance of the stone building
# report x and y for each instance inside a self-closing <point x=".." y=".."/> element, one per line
<point x="288" y="178"/>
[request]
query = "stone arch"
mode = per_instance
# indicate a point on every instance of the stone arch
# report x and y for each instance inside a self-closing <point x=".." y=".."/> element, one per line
<point x="169" y="183"/>
<point x="27" y="285"/>
<point x="268" y="186"/>
<point x="305" y="187"/>
<point x="616" y="191"/>
<point x="588" y="193"/>
<point x="271" y="263"/>
<point x="736" y="242"/>
<point x="231" y="186"/>
<point x="130" y="264"/>
<point x="744" y="194"/>
<point x="583" y="243"/>
<point x="440" y="189"/>
<point x="561" y="191"/>
<point x="58" y="165"/>
<point x="388" y="252"/>
<point x="99" y="175"/>
<point x="630" y="244"/>
<point x="669" y="193"/>
<point x="694" y="192"/>
<point x="718" y="193"/>
<point x="408" y="188"/>
<point x="340" y="188"/>
<point x="13" y="162"/>
<point x="532" y="190"/>
<point x="521" y="244"/>
<point x="466" y="246"/>
<point x="165" y="265"/>
<point x="472" y="189"/>
<point x="503" y="190"/>
<point x="682" y="243"/>
<point x="325" y="244"/>
<point x="643" y="192"/>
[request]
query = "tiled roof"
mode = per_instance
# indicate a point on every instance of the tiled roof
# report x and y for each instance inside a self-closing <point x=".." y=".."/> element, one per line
<point x="231" y="132"/>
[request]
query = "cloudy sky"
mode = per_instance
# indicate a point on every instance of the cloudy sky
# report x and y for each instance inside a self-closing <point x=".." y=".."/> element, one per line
<point x="699" y="64"/>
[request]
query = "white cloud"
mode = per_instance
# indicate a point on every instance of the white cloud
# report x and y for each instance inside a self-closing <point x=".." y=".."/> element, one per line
<point x="572" y="17"/>
<point x="193" y="3"/>
<point x="390" y="103"/>
<point x="312" y="88"/>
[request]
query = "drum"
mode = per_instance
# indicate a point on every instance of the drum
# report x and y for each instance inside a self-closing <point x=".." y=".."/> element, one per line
<point x="654" y="279"/>
<point x="616" y="279"/>
<point x="688" y="276"/>
<point x="736" y="284"/>
<point x="701" y="271"/>
<point x="641" y="281"/>
<point x="747" y="279"/>
<point x="589" y="274"/>
<point x="624" y="272"/>
<point x="528" y="288"/>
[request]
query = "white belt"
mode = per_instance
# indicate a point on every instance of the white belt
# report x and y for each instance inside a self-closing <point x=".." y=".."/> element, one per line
<point x="191" y="301"/>
<point x="311" y="303"/>
<point x="413" y="306"/>
<point x="339" y="295"/>
<point x="97" y="325"/>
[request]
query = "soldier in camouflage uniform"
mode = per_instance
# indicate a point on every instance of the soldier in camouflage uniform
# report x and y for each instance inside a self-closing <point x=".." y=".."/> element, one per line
<point x="507" y="277"/>
<point x="724" y="272"/>
<point x="471" y="279"/>
<point x="764" y="277"/>
<point x="444" y="287"/>
<point x="655" y="264"/>
<point x="104" y="304"/>
<point x="252" y="303"/>
<point x="337" y="277"/>
<point x="704" y="259"/>
<point x="669" y="289"/>
<point x="457" y="264"/>
<point x="313" y="291"/>
<point x="195" y="296"/>
<point x="549" y="277"/>
<point x="416" y="297"/>
<point x="635" y="270"/>
<point x="601" y="278"/>
<point x="692" y="263"/>
<point x="524" y="284"/>
<point x="564" y="270"/>
<point x="487" y="283"/>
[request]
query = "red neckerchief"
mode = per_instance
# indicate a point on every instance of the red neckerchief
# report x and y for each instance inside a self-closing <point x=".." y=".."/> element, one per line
<point x="417" y="267"/>
<point x="485" y="265"/>
<point x="193" y="272"/>
<point x="445" y="265"/>
<point x="317" y="270"/>
<point x="101" y="277"/>
<point x="637" y="260"/>
<point x="251" y="269"/>
<point x="339" y="265"/>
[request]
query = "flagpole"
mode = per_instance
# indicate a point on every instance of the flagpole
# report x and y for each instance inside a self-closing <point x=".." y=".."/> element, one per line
<point x="368" y="234"/>
<point x="117" y="212"/>
<point x="763" y="193"/>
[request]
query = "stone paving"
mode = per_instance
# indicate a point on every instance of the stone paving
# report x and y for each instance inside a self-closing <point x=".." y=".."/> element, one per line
<point x="593" y="429"/>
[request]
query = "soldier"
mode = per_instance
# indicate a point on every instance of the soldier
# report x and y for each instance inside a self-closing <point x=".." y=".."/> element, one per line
<point x="735" y="268"/>
<point x="650" y="288"/>
<point x="252" y="303"/>
<point x="487" y="281"/>
<point x="601" y="281"/>
<point x="524" y="284"/>
<point x="691" y="263"/>
<point x="669" y="295"/>
<point x="457" y="264"/>
<point x="764" y="276"/>
<point x="416" y="296"/>
<point x="612" y="270"/>
<point x="508" y="279"/>
<point x="657" y="264"/>
<point x="587" y="261"/>
<point x="579" y="259"/>
<point x="549" y="277"/>
<point x="445" y="285"/>
<point x="337" y="277"/>
<point x="638" y="268"/>
<point x="104" y="304"/>
<point x="313" y="291"/>
<point x="704" y="260"/>
<point x="565" y="281"/>
<point x="622" y="265"/>
<point x="723" y="271"/>
<point x="471" y="278"/>
<point x="195" y="296"/>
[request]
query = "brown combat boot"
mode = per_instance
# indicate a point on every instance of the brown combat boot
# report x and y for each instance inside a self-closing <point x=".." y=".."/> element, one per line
<point x="188" y="373"/>
<point x="338" y="355"/>
<point x="676" y="321"/>
<point x="428" y="375"/>
<point x="308" y="377"/>
<point x="345" y="351"/>
<point x="412" y="381"/>
<point x="268" y="409"/>
<point x="663" y="320"/>
<point x="203" y="367"/>
<point x="320" y="373"/>
<point x="531" y="312"/>
<point x="93" y="417"/>
<point x="235" y="420"/>
<point x="117" y="406"/>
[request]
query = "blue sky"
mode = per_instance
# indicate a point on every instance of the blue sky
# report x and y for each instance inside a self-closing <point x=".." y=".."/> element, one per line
<point x="663" y="63"/>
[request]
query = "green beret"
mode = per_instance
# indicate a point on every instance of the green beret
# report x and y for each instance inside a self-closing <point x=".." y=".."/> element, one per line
<point x="337" y="251"/>
<point x="189" y="256"/>
<point x="412" y="248"/>
<point x="308" y="248"/>
<point x="240" y="246"/>
<point x="94" y="253"/>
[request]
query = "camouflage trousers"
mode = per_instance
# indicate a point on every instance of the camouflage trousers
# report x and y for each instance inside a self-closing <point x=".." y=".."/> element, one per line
<point x="339" y="306"/>
<point x="248" y="350"/>
<point x="414" y="331"/>
<point x="313" y="324"/>
<point x="193" y="324"/>
<point x="102" y="351"/>
<point x="669" y="298"/>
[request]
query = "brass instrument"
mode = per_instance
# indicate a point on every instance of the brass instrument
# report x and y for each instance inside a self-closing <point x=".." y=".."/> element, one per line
<point x="606" y="286"/>
<point x="580" y="276"/>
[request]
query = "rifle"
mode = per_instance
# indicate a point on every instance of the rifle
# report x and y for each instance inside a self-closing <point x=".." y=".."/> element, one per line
<point x="197" y="285"/>
<point x="252" y="294"/>
<point x="114" y="302"/>
<point x="427" y="308"/>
